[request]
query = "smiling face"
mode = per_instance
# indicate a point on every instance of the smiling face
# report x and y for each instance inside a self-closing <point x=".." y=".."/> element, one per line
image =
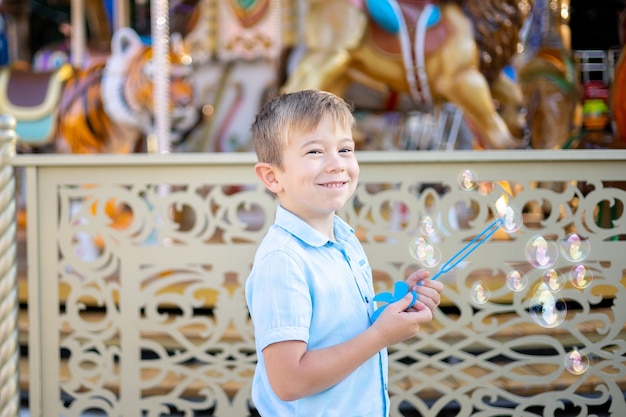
<point x="318" y="176"/>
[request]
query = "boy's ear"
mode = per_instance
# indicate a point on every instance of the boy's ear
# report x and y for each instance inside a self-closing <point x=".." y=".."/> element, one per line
<point x="267" y="175"/>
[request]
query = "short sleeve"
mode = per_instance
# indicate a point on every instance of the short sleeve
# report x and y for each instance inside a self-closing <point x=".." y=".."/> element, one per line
<point x="279" y="299"/>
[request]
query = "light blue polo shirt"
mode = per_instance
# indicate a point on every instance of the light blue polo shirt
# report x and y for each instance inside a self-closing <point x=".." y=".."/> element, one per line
<point x="304" y="287"/>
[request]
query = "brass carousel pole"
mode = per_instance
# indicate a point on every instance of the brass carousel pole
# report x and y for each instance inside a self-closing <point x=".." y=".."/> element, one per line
<point x="121" y="14"/>
<point x="159" y="10"/>
<point x="9" y="351"/>
<point x="78" y="38"/>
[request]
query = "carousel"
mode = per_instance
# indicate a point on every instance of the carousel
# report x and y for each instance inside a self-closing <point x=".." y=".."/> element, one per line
<point x="422" y="75"/>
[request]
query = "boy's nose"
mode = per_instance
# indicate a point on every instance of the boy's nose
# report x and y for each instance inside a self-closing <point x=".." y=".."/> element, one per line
<point x="335" y="163"/>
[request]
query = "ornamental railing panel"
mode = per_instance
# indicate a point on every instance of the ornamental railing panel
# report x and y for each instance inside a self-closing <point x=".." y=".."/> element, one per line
<point x="137" y="265"/>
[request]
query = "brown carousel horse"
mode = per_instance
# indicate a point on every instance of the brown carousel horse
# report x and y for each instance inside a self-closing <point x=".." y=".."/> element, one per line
<point x="552" y="94"/>
<point x="427" y="49"/>
<point x="549" y="79"/>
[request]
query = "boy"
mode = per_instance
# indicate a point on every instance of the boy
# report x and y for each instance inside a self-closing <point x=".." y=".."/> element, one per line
<point x="310" y="289"/>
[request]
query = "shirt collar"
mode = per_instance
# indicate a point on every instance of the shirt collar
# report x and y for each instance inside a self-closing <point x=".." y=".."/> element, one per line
<point x="303" y="231"/>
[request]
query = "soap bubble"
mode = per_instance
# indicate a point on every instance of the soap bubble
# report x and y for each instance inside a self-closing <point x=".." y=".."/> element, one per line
<point x="480" y="294"/>
<point x="574" y="248"/>
<point x="580" y="276"/>
<point x="516" y="281"/>
<point x="547" y="310"/>
<point x="425" y="252"/>
<point x="512" y="219"/>
<point x="541" y="253"/>
<point x="553" y="280"/>
<point x="467" y="180"/>
<point x="433" y="256"/>
<point x="428" y="226"/>
<point x="417" y="248"/>
<point x="575" y="362"/>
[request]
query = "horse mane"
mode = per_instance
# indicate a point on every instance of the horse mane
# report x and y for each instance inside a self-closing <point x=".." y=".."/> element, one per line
<point x="497" y="25"/>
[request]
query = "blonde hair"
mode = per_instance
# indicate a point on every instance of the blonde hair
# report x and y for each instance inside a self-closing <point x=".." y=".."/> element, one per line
<point x="295" y="113"/>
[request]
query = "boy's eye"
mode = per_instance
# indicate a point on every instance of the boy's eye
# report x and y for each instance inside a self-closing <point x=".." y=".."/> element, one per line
<point x="344" y="150"/>
<point x="314" y="151"/>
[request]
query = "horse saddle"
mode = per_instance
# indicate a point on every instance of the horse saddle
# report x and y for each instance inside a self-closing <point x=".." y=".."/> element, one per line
<point x="33" y="98"/>
<point x="386" y="19"/>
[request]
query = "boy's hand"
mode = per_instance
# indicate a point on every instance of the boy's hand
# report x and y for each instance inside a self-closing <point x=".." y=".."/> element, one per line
<point x="428" y="291"/>
<point x="398" y="322"/>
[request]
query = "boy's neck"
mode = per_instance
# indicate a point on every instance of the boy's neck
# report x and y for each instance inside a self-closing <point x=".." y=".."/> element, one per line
<point x="323" y="224"/>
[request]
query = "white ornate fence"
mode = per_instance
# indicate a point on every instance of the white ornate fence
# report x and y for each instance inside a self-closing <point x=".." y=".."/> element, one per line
<point x="136" y="266"/>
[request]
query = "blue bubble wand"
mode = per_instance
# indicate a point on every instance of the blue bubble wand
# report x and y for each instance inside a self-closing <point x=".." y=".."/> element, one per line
<point x="401" y="288"/>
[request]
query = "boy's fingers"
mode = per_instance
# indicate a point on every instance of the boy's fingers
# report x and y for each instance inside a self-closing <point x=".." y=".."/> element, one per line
<point x="418" y="284"/>
<point x="421" y="274"/>
<point x="418" y="306"/>
<point x="435" y="285"/>
<point x="406" y="301"/>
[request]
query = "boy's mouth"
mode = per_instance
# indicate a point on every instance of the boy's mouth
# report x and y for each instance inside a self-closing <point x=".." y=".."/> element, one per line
<point x="334" y="184"/>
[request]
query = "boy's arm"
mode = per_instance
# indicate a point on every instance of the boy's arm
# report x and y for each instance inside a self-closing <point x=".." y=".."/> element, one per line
<point x="294" y="372"/>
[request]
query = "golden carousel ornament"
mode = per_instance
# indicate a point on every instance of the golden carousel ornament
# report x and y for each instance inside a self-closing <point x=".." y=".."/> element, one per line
<point x="237" y="46"/>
